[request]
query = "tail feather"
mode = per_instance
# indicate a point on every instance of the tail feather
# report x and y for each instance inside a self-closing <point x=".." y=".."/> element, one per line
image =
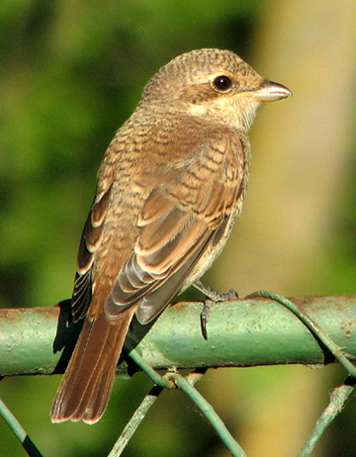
<point x="104" y="386"/>
<point x="86" y="385"/>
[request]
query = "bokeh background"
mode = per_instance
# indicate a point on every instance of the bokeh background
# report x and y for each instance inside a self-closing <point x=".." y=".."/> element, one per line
<point x="71" y="72"/>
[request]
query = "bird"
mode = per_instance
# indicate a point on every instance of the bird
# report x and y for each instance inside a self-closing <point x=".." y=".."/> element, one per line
<point x="170" y="186"/>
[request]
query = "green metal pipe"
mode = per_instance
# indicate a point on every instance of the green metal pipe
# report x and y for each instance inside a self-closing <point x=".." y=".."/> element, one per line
<point x="246" y="332"/>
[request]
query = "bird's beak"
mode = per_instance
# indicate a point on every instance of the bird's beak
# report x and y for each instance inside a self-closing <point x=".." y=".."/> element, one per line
<point x="270" y="92"/>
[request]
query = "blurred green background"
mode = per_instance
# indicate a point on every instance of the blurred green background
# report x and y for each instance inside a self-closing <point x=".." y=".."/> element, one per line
<point x="71" y="72"/>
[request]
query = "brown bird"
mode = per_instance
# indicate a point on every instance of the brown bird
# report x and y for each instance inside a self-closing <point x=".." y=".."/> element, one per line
<point x="169" y="189"/>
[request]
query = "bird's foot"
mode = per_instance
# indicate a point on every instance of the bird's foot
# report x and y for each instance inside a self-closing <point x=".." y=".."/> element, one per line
<point x="212" y="297"/>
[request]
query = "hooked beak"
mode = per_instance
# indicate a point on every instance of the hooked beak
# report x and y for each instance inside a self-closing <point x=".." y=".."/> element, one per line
<point x="270" y="92"/>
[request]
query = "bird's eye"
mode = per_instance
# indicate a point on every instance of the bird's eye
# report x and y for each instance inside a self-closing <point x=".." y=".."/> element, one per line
<point x="222" y="83"/>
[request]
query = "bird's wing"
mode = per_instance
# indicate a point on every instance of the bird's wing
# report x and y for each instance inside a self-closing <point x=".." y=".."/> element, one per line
<point x="181" y="217"/>
<point x="91" y="238"/>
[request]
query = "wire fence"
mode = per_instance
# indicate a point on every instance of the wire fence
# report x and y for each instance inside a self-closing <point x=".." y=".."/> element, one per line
<point x="322" y="322"/>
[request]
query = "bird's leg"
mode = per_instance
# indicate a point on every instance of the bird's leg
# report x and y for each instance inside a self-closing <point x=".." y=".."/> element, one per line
<point x="211" y="297"/>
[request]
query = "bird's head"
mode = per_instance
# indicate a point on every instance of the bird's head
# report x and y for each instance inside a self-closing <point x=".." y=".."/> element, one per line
<point x="213" y="84"/>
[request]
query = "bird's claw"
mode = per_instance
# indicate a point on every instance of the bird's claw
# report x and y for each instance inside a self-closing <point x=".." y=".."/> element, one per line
<point x="212" y="297"/>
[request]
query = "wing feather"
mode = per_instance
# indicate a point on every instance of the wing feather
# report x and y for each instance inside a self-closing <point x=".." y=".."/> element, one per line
<point x="89" y="243"/>
<point x="180" y="219"/>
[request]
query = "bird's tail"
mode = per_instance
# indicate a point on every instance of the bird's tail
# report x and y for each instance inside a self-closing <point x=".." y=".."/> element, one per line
<point x="86" y="385"/>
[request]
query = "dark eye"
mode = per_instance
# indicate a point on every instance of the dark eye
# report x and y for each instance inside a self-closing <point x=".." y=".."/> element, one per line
<point x="222" y="82"/>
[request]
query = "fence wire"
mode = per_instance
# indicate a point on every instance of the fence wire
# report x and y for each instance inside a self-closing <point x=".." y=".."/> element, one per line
<point x="172" y="379"/>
